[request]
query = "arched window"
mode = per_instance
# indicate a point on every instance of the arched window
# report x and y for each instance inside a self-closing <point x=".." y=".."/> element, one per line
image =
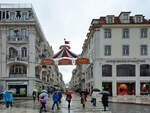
<point x="107" y="70"/>
<point x="125" y="70"/>
<point x="12" y="52"/>
<point x="145" y="70"/>
<point x="24" y="52"/>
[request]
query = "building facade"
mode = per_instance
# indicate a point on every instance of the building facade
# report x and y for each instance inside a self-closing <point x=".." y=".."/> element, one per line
<point x="119" y="50"/>
<point x="22" y="47"/>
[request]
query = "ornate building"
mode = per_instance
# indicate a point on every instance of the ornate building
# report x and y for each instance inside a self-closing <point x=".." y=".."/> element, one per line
<point x="22" y="47"/>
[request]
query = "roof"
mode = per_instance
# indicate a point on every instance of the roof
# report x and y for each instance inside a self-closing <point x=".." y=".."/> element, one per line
<point x="64" y="52"/>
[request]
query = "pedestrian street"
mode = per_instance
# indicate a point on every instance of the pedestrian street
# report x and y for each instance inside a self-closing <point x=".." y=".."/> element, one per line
<point x="28" y="106"/>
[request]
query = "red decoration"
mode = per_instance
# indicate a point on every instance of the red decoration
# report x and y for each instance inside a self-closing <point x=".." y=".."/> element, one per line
<point x="47" y="62"/>
<point x="82" y="61"/>
<point x="65" y="62"/>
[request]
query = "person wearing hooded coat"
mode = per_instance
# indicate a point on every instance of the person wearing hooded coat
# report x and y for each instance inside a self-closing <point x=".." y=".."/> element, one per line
<point x="8" y="98"/>
<point x="55" y="100"/>
<point x="43" y="99"/>
<point x="105" y="101"/>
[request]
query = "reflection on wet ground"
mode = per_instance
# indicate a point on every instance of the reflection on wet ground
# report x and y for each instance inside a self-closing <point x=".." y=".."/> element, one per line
<point x="29" y="107"/>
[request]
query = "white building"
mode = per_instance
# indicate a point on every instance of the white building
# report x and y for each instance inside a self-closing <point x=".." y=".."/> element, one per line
<point x="119" y="50"/>
<point x="22" y="47"/>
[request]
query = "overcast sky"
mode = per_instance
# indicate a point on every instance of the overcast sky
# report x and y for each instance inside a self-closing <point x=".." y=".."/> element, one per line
<point x="71" y="19"/>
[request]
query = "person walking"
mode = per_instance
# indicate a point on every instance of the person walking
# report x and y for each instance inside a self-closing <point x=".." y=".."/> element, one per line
<point x="60" y="96"/>
<point x="43" y="99"/>
<point x="94" y="96"/>
<point x="34" y="95"/>
<point x="8" y="98"/>
<point x="83" y="99"/>
<point x="55" y="100"/>
<point x="68" y="99"/>
<point x="105" y="101"/>
<point x="38" y="95"/>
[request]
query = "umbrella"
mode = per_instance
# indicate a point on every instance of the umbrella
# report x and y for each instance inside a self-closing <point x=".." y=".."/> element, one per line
<point x="69" y="92"/>
<point x="43" y="91"/>
<point x="96" y="90"/>
<point x="1" y="91"/>
<point x="105" y="92"/>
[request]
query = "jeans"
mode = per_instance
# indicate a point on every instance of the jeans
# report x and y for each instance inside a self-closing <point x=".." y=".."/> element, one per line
<point x="104" y="108"/>
<point x="54" y="105"/>
<point x="8" y="103"/>
<point x="43" y="106"/>
<point x="94" y="101"/>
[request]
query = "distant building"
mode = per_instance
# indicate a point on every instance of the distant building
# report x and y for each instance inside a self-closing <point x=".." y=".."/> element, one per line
<point x="119" y="50"/>
<point x="22" y="47"/>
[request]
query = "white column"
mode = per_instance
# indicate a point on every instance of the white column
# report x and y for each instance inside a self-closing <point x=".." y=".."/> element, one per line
<point x="114" y="82"/>
<point x="137" y="86"/>
<point x="32" y="36"/>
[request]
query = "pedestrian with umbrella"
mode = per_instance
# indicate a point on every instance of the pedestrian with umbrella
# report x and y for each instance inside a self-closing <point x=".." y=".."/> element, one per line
<point x="83" y="99"/>
<point x="43" y="99"/>
<point x="34" y="95"/>
<point x="105" y="99"/>
<point x="69" y="97"/>
<point x="8" y="98"/>
<point x="95" y="93"/>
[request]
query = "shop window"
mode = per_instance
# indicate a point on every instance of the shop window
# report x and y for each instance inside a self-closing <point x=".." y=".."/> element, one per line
<point x="145" y="70"/>
<point x="107" y="70"/>
<point x="145" y="88"/>
<point x="125" y="70"/>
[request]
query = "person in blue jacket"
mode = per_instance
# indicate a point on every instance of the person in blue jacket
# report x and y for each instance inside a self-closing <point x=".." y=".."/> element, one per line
<point x="55" y="100"/>
<point x="8" y="98"/>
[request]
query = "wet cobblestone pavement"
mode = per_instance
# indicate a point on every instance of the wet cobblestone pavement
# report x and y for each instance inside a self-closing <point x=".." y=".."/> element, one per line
<point x="29" y="107"/>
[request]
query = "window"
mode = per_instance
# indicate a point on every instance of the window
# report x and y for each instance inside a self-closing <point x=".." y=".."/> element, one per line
<point x="110" y="19"/>
<point x="23" y="34"/>
<point x="12" y="15"/>
<point x="107" y="70"/>
<point x="18" y="69"/>
<point x="125" y="33"/>
<point x="24" y="52"/>
<point x="125" y="70"/>
<point x="107" y="33"/>
<point x="18" y="14"/>
<point x="0" y="15"/>
<point x="107" y="50"/>
<point x="11" y="34"/>
<point x="24" y="15"/>
<point x="138" y="19"/>
<point x="145" y="70"/>
<point x="144" y="33"/>
<point x="125" y="50"/>
<point x="143" y="50"/>
<point x="12" y="52"/>
<point x="7" y="14"/>
<point x="125" y="16"/>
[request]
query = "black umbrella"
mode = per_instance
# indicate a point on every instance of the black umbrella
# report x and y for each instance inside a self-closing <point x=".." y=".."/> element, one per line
<point x="105" y="92"/>
<point x="96" y="90"/>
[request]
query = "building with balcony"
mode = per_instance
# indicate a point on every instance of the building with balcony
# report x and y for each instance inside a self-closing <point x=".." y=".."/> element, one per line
<point x="119" y="50"/>
<point x="22" y="47"/>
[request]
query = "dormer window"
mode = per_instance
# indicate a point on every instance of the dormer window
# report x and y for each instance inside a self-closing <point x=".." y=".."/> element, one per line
<point x="138" y="19"/>
<point x="125" y="16"/>
<point x="110" y="19"/>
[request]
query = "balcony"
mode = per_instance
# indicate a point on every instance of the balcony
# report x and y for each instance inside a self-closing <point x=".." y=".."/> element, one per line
<point x="17" y="75"/>
<point x="17" y="39"/>
<point x="17" y="59"/>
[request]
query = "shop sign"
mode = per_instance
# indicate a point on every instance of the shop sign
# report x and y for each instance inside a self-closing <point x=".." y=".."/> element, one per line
<point x="125" y="61"/>
<point x="15" y="83"/>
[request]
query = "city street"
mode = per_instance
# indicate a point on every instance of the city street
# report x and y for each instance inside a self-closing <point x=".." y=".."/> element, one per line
<point x="21" y="106"/>
<point x="28" y="106"/>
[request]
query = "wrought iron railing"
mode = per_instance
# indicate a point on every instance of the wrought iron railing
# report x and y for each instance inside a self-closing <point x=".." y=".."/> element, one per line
<point x="17" y="75"/>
